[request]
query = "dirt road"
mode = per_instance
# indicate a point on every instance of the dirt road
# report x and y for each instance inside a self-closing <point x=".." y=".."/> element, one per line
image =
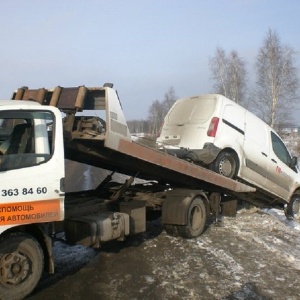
<point x="253" y="256"/>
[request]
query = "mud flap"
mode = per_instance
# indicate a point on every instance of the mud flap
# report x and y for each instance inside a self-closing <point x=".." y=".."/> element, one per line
<point x="229" y="207"/>
<point x="215" y="207"/>
<point x="221" y="205"/>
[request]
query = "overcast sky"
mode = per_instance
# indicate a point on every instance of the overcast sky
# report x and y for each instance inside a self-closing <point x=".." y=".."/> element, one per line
<point x="142" y="46"/>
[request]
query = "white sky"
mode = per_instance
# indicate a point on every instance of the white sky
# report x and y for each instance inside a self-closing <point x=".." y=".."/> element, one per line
<point x="142" y="46"/>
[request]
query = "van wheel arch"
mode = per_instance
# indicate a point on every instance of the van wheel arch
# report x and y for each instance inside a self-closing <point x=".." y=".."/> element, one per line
<point x="227" y="163"/>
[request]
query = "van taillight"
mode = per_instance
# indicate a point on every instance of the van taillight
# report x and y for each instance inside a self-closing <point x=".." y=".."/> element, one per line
<point x="213" y="126"/>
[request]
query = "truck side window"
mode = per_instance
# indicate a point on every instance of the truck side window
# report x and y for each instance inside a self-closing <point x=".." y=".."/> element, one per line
<point x="24" y="139"/>
<point x="20" y="140"/>
<point x="280" y="149"/>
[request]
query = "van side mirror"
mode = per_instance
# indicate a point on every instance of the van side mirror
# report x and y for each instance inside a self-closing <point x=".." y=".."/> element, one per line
<point x="294" y="162"/>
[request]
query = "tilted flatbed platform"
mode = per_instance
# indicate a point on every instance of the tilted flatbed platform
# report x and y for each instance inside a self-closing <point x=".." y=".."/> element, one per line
<point x="131" y="158"/>
<point x="108" y="143"/>
<point x="96" y="133"/>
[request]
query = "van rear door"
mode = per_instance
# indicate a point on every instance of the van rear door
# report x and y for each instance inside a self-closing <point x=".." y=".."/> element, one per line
<point x="187" y="122"/>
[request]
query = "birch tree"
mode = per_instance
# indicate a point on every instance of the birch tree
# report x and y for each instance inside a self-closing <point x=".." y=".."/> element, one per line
<point x="159" y="109"/>
<point x="277" y="80"/>
<point x="229" y="75"/>
<point x="156" y="116"/>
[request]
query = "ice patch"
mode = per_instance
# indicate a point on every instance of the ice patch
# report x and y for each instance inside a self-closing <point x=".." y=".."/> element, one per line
<point x="279" y="214"/>
<point x="149" y="279"/>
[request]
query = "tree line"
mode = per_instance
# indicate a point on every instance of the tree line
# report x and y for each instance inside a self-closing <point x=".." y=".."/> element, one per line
<point x="156" y="113"/>
<point x="272" y="97"/>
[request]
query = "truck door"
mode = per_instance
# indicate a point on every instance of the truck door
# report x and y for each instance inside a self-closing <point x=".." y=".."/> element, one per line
<point x="31" y="165"/>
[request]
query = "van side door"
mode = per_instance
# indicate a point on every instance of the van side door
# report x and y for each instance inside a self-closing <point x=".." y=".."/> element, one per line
<point x="281" y="175"/>
<point x="256" y="161"/>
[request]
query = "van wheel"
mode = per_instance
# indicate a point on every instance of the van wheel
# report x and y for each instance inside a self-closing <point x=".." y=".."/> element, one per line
<point x="226" y="164"/>
<point x="292" y="211"/>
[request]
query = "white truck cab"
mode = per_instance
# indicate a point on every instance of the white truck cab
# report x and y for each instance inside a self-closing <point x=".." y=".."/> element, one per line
<point x="25" y="141"/>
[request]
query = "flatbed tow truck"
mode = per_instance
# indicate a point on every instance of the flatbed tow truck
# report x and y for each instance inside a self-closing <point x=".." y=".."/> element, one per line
<point x="39" y="128"/>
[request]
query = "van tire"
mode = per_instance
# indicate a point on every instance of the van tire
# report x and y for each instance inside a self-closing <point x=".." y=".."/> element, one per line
<point x="226" y="164"/>
<point x="196" y="220"/>
<point x="292" y="210"/>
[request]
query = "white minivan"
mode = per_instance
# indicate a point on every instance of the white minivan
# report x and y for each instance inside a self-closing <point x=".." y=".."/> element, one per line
<point x="213" y="131"/>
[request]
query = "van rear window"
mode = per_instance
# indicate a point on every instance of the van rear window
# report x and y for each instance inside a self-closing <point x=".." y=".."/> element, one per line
<point x="192" y="110"/>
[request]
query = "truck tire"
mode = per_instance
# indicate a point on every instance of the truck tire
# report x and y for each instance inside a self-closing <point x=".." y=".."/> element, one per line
<point x="196" y="220"/>
<point x="292" y="211"/>
<point x="21" y="265"/>
<point x="226" y="164"/>
<point x="171" y="230"/>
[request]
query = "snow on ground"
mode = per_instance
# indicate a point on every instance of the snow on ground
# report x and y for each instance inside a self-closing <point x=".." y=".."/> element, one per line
<point x="279" y="214"/>
<point x="253" y="256"/>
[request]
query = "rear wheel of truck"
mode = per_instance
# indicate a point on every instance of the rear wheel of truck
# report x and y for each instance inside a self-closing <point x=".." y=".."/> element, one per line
<point x="292" y="211"/>
<point x="171" y="230"/>
<point x="196" y="220"/>
<point x="226" y="164"/>
<point x="21" y="265"/>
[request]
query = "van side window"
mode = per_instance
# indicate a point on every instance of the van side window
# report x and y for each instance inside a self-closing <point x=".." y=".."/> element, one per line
<point x="280" y="149"/>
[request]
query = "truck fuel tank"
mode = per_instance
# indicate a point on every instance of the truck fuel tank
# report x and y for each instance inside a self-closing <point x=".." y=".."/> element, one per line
<point x="94" y="228"/>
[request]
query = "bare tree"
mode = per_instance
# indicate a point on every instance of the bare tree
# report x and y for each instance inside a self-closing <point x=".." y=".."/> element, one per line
<point x="159" y="109"/>
<point x="218" y="65"/>
<point x="156" y="116"/>
<point x="169" y="100"/>
<point x="277" y="81"/>
<point x="138" y="126"/>
<point x="229" y="74"/>
<point x="236" y="77"/>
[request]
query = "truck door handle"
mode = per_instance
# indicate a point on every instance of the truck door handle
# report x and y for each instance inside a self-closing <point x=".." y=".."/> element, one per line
<point x="274" y="161"/>
<point x="264" y="154"/>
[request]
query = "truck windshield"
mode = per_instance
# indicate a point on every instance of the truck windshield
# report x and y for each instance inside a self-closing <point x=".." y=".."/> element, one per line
<point x="25" y="138"/>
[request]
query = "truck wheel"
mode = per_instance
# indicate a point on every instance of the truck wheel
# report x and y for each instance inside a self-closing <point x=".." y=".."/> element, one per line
<point x="196" y="220"/>
<point x="292" y="211"/>
<point x="21" y="265"/>
<point x="171" y="229"/>
<point x="226" y="164"/>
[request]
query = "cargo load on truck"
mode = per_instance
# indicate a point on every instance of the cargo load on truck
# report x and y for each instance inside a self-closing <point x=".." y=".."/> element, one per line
<point x="39" y="129"/>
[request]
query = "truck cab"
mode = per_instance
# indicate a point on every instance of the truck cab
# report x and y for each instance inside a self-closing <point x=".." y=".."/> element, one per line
<point x="31" y="191"/>
<point x="31" y="163"/>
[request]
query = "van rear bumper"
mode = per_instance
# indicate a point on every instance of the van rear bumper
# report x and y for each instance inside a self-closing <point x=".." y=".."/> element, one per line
<point x="206" y="155"/>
